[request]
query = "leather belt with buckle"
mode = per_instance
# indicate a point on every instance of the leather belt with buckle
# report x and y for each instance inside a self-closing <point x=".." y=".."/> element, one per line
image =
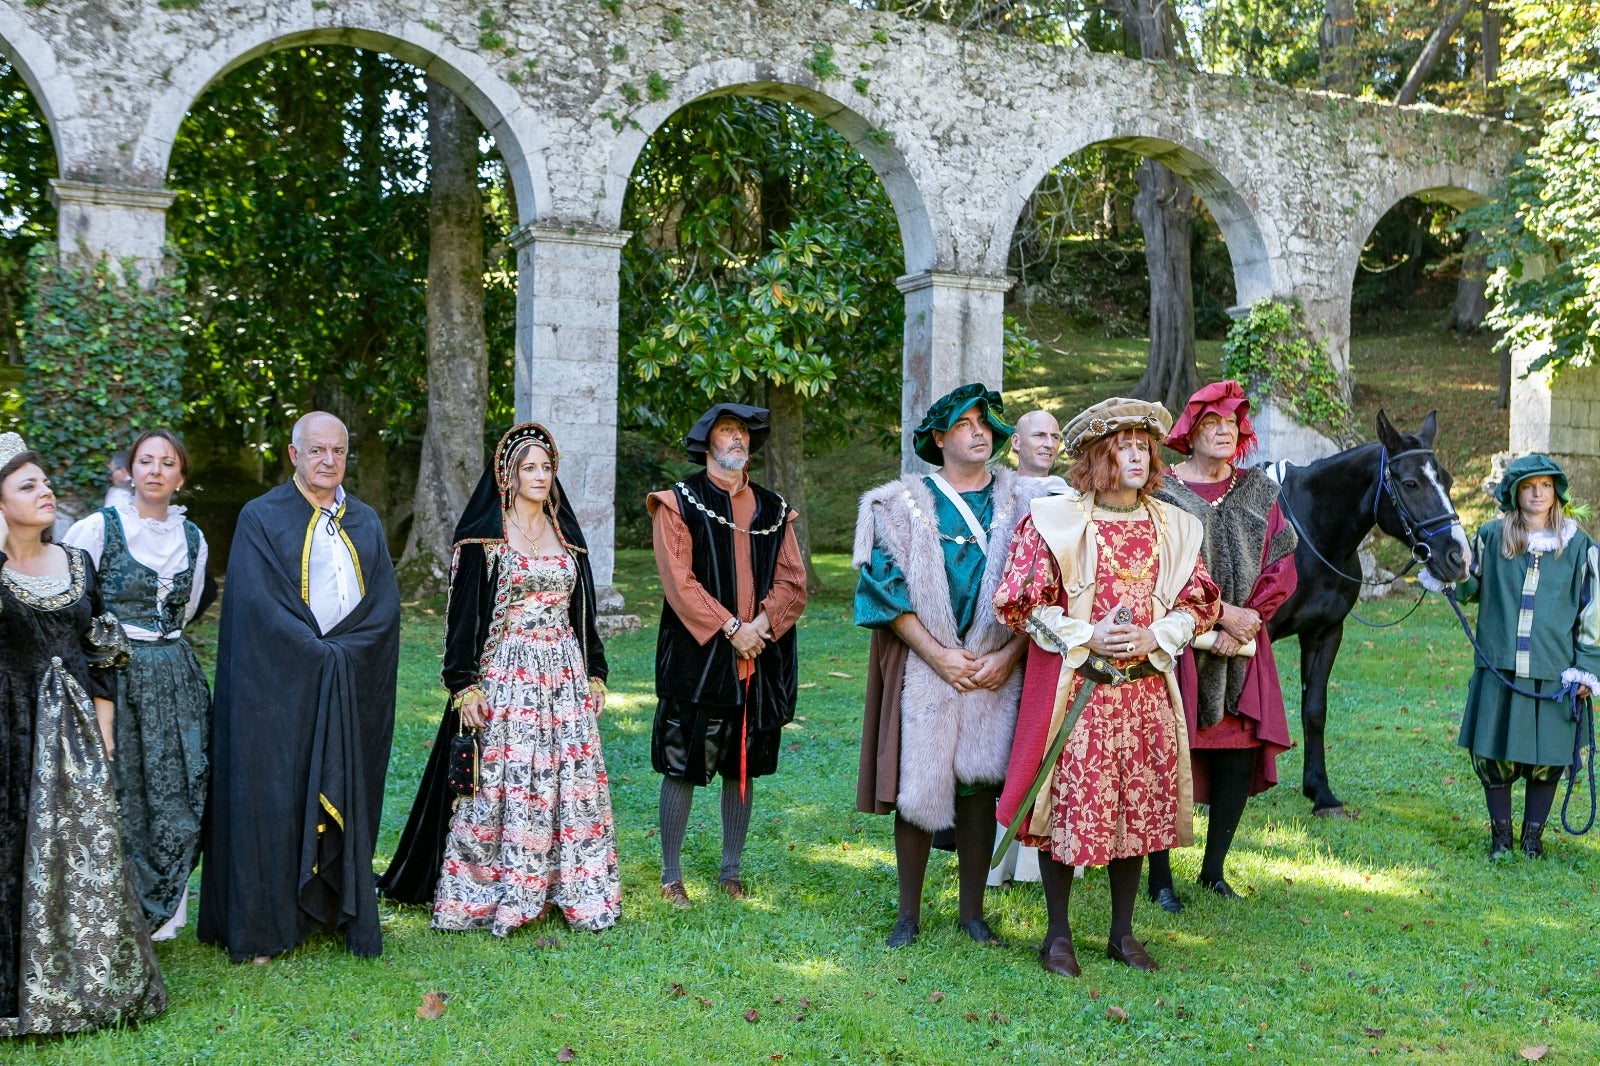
<point x="1103" y="671"/>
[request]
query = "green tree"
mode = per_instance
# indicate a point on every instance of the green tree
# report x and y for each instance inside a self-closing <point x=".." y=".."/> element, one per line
<point x="27" y="163"/>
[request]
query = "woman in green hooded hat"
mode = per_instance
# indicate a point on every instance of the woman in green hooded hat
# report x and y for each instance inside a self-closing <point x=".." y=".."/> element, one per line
<point x="1534" y="574"/>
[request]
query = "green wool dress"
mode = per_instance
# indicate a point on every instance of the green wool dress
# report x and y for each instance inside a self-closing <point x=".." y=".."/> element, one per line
<point x="1539" y="631"/>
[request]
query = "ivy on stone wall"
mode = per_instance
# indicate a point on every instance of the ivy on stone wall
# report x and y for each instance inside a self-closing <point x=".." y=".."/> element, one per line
<point x="1272" y="353"/>
<point x="104" y="351"/>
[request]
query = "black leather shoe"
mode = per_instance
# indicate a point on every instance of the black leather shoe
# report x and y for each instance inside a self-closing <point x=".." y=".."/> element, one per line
<point x="1167" y="900"/>
<point x="904" y="932"/>
<point x="1221" y="888"/>
<point x="1059" y="958"/>
<point x="1130" y="952"/>
<point x="979" y="930"/>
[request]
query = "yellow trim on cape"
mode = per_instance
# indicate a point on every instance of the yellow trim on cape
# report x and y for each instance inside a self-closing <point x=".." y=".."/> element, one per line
<point x="332" y="811"/>
<point x="1063" y="521"/>
<point x="305" y="549"/>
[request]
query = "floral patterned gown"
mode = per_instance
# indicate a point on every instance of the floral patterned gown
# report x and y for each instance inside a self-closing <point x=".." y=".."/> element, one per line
<point x="1114" y="793"/>
<point x="539" y="831"/>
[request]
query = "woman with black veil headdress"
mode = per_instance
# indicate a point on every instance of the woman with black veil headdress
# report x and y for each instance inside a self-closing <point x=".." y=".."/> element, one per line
<point x="523" y="661"/>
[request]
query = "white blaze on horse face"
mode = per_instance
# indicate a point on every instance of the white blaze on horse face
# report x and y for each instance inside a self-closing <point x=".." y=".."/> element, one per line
<point x="1459" y="535"/>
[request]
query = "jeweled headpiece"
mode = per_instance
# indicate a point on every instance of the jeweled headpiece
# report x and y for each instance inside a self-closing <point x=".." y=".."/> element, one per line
<point x="11" y="446"/>
<point x="508" y="448"/>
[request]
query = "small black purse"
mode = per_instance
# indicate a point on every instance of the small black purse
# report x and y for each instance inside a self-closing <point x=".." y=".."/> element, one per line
<point x="465" y="763"/>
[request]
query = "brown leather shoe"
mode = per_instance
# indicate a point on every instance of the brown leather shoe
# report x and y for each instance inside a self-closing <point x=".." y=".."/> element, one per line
<point x="733" y="888"/>
<point x="674" y="894"/>
<point x="1130" y="952"/>
<point x="1058" y="957"/>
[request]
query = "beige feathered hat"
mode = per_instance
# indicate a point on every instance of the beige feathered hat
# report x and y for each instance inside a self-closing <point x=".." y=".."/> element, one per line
<point x="1110" y="416"/>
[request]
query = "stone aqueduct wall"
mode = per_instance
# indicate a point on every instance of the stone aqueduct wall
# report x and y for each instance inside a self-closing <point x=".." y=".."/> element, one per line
<point x="959" y="126"/>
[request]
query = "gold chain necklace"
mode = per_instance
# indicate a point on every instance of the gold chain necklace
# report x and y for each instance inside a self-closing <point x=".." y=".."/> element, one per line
<point x="533" y="542"/>
<point x="1133" y="577"/>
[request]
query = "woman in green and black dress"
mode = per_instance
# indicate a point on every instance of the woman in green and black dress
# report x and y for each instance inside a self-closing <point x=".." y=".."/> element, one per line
<point x="1534" y="574"/>
<point x="150" y="560"/>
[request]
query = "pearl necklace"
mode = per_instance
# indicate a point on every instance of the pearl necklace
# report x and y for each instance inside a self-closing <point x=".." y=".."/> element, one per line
<point x="1232" y="481"/>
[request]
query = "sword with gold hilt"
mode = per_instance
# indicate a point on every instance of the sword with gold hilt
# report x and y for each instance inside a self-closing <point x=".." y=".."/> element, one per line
<point x="1122" y="617"/>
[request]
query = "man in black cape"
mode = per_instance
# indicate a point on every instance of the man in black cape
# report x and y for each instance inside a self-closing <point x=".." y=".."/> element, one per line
<point x="304" y="711"/>
<point x="414" y="874"/>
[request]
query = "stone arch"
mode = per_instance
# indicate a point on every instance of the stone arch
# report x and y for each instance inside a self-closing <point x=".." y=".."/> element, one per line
<point x="515" y="127"/>
<point x="52" y="89"/>
<point x="923" y="236"/>
<point x="1442" y="184"/>
<point x="1247" y="234"/>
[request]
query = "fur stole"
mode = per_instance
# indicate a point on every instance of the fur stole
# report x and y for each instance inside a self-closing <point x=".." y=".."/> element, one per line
<point x="946" y="737"/>
<point x="1235" y="530"/>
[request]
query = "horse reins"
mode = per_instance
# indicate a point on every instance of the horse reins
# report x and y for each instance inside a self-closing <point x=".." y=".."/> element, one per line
<point x="1576" y="707"/>
<point x="1421" y="551"/>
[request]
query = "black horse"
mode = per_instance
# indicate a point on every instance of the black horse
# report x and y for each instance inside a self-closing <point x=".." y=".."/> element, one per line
<point x="1395" y="483"/>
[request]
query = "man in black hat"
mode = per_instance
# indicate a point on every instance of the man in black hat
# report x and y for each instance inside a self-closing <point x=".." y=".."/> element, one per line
<point x="733" y="584"/>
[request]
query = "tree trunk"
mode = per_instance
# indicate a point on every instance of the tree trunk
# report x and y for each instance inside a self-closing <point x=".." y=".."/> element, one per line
<point x="1338" y="65"/>
<point x="1164" y="207"/>
<point x="1472" y="300"/>
<point x="458" y="358"/>
<point x="785" y="466"/>
<point x="1432" y="49"/>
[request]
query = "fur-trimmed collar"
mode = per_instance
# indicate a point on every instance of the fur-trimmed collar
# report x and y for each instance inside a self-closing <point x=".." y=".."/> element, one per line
<point x="1545" y="540"/>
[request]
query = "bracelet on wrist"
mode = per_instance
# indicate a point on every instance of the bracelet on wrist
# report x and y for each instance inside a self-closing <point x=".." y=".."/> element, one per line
<point x="464" y="696"/>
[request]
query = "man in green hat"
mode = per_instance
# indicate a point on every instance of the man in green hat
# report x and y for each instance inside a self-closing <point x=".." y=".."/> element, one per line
<point x="943" y="676"/>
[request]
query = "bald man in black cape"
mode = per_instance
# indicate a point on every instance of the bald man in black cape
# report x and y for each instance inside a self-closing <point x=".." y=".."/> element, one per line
<point x="304" y="711"/>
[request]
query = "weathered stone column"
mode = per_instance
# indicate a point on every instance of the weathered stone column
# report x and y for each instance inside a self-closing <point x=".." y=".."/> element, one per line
<point x="1560" y="416"/>
<point x="566" y="370"/>
<point x="955" y="333"/>
<point x="121" y="221"/>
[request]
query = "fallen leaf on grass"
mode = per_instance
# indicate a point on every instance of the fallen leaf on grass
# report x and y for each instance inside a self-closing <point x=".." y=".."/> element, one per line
<point x="702" y="1001"/>
<point x="566" y="1054"/>
<point x="935" y="997"/>
<point x="752" y="1015"/>
<point x="1305" y="966"/>
<point x="432" y="1005"/>
<point x="1003" y="1019"/>
<point x="1534" y="1054"/>
<point x="805" y="1003"/>
<point x="808" y="684"/>
<point x="970" y="1016"/>
<point x="777" y="999"/>
<point x="677" y="990"/>
<point x="1094" y="993"/>
<point x="545" y="943"/>
<point x="797" y="1017"/>
<point x="1367" y="1030"/>
<point x="835" y="673"/>
<point x="1116" y="1014"/>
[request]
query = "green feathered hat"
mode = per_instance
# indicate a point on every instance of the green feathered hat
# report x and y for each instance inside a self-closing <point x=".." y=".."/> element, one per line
<point x="951" y="406"/>
<point x="1535" y="465"/>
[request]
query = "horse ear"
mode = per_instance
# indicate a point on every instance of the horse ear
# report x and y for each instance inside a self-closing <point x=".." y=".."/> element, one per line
<point x="1430" y="427"/>
<point x="1387" y="436"/>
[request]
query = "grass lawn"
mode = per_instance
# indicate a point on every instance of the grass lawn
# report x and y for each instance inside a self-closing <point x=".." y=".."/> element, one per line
<point x="1385" y="934"/>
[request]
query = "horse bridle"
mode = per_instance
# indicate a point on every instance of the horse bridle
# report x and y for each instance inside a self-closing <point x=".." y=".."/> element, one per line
<point x="1418" y="534"/>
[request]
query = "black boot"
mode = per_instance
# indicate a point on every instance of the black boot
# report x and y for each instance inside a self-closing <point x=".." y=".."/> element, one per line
<point x="1499" y="840"/>
<point x="1532" y="847"/>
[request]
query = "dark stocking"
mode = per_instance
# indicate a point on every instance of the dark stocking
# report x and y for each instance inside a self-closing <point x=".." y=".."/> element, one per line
<point x="1541" y="797"/>
<point x="911" y="847"/>
<point x="1124" y="877"/>
<point x="1231" y="771"/>
<point x="1160" y="871"/>
<point x="1057" y="880"/>
<point x="735" y="825"/>
<point x="974" y="848"/>
<point x="677" y="796"/>
<point x="1498" y="797"/>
